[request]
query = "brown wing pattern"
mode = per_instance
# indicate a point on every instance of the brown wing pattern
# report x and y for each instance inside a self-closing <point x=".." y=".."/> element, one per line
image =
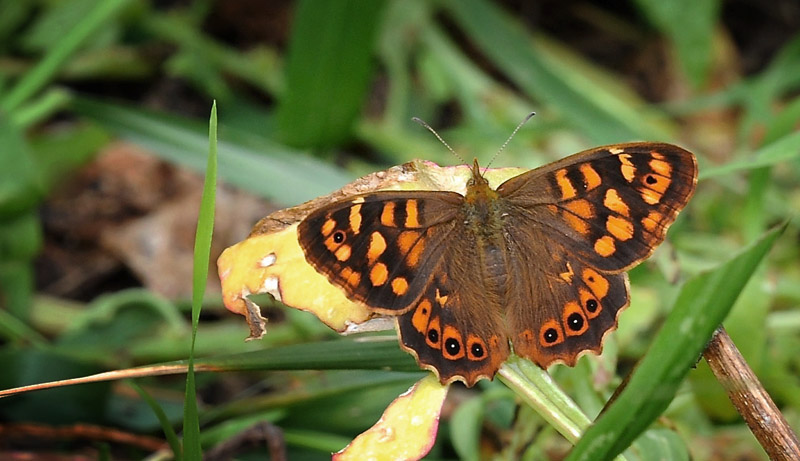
<point x="380" y="248"/>
<point x="560" y="306"/>
<point x="552" y="284"/>
<point x="456" y="327"/>
<point x="613" y="204"/>
<point x="574" y="227"/>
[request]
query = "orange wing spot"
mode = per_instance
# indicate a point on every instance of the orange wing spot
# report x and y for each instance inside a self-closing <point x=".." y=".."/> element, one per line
<point x="620" y="228"/>
<point x="552" y="208"/>
<point x="581" y="208"/>
<point x="343" y="253"/>
<point x="421" y="316"/>
<point x="575" y="321"/>
<point x="387" y="215"/>
<point x="412" y="246"/>
<point x="596" y="282"/>
<point x="614" y="202"/>
<point x="604" y="246"/>
<point x="452" y="334"/>
<point x="660" y="167"/>
<point x="352" y="277"/>
<point x="567" y="189"/>
<point x="355" y="219"/>
<point x="406" y="240"/>
<point x="433" y="326"/>
<point x="399" y="286"/>
<point x="441" y="300"/>
<point x="476" y="348"/>
<point x="580" y="226"/>
<point x="650" y="196"/>
<point x="377" y="245"/>
<point x="378" y="274"/>
<point x="330" y="244"/>
<point x="627" y="168"/>
<point x="567" y="276"/>
<point x="652" y="221"/>
<point x="590" y="304"/>
<point x="413" y="256"/>
<point x="590" y="176"/>
<point x="494" y="341"/>
<point x="550" y="334"/>
<point x="328" y="227"/>
<point x="657" y="156"/>
<point x="412" y="214"/>
<point x="656" y="182"/>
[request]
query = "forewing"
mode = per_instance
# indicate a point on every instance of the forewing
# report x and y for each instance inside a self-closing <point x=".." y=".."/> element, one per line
<point x="380" y="248"/>
<point x="610" y="206"/>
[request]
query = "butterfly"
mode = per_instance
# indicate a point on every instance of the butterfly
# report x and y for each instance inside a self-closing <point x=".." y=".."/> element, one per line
<point x="537" y="265"/>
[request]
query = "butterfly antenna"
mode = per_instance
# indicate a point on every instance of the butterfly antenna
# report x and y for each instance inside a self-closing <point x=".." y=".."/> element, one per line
<point x="524" y="121"/>
<point x="422" y="122"/>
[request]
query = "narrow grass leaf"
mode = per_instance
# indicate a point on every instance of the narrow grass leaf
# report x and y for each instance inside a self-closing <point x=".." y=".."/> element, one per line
<point x="702" y="304"/>
<point x="202" y="253"/>
<point x="258" y="165"/>
<point x="689" y="24"/>
<point x="784" y="149"/>
<point x="328" y="70"/>
<point x="45" y="69"/>
<point x="163" y="420"/>
<point x="344" y="354"/>
<point x="20" y="184"/>
<point x="588" y="106"/>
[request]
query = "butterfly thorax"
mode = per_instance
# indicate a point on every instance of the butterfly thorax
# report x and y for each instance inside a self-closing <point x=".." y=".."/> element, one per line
<point x="482" y="206"/>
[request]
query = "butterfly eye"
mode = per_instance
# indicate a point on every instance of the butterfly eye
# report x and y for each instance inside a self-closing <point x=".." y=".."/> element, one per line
<point x="476" y="350"/>
<point x="591" y="305"/>
<point x="338" y="236"/>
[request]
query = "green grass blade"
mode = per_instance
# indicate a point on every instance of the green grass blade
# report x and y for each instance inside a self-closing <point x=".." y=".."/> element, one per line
<point x="328" y="70"/>
<point x="343" y="354"/>
<point x="597" y="112"/>
<point x="702" y="304"/>
<point x="44" y="71"/>
<point x="202" y="252"/>
<point x="20" y="242"/>
<point x="254" y="163"/>
<point x="782" y="150"/>
<point x="166" y="425"/>
<point x="690" y="25"/>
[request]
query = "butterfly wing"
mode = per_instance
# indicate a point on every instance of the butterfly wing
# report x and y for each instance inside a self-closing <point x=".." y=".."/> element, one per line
<point x="408" y="254"/>
<point x="594" y="215"/>
<point x="560" y="306"/>
<point x="381" y="248"/>
<point x="612" y="204"/>
<point x="456" y="327"/>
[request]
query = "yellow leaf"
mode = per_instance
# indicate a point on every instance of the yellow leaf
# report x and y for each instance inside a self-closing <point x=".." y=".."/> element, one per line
<point x="407" y="429"/>
<point x="274" y="263"/>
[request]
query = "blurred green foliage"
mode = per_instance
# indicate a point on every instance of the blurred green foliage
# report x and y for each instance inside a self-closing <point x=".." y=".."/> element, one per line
<point x="329" y="97"/>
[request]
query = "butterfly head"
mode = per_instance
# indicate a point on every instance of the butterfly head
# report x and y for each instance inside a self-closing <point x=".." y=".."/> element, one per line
<point x="478" y="186"/>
